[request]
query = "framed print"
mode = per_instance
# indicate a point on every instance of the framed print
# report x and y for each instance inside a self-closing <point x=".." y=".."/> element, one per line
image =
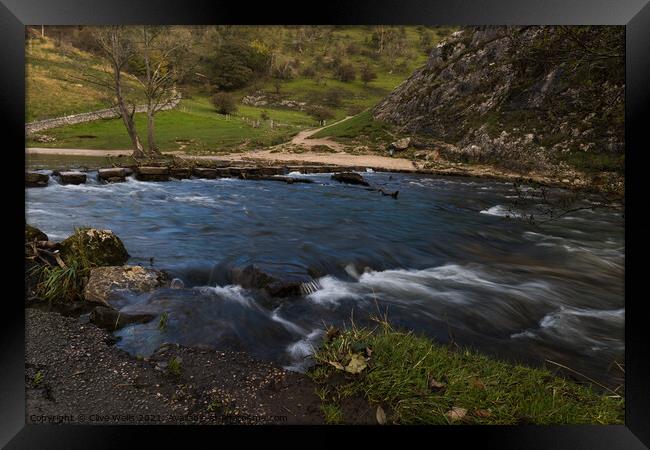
<point x="416" y="216"/>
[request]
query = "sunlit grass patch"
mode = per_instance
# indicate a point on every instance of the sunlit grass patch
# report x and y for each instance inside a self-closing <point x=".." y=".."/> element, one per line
<point x="421" y="382"/>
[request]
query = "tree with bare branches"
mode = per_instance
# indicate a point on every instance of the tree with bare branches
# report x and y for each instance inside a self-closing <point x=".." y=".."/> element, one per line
<point x="117" y="47"/>
<point x="161" y="51"/>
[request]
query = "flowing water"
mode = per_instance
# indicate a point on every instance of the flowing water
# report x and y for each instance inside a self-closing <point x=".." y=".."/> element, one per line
<point x="448" y="259"/>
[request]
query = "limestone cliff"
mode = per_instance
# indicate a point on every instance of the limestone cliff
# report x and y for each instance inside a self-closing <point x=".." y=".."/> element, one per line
<point x="541" y="98"/>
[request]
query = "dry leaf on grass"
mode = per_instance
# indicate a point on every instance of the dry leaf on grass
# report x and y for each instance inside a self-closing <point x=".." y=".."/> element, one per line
<point x="456" y="413"/>
<point x="436" y="385"/>
<point x="357" y="363"/>
<point x="381" y="416"/>
<point x="482" y="413"/>
<point x="336" y="364"/>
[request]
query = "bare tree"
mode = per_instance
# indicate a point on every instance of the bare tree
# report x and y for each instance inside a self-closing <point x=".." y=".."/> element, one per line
<point x="161" y="50"/>
<point x="117" y="48"/>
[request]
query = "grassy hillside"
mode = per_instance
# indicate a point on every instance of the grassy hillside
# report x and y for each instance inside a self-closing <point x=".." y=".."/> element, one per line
<point x="53" y="87"/>
<point x="53" y="90"/>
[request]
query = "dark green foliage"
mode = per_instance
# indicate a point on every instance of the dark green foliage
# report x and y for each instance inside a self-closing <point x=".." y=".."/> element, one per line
<point x="235" y="64"/>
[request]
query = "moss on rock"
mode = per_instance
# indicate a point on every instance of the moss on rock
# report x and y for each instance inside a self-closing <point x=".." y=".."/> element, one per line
<point x="94" y="248"/>
<point x="34" y="234"/>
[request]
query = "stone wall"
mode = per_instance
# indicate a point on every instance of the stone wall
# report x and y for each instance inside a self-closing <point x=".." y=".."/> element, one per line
<point x="108" y="113"/>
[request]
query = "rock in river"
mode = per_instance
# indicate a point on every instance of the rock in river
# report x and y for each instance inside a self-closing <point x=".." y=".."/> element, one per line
<point x="255" y="277"/>
<point x="202" y="172"/>
<point x="152" y="173"/>
<point x="99" y="247"/>
<point x="111" y="319"/>
<point x="72" y="177"/>
<point x="104" y="282"/>
<point x="350" y="178"/>
<point x="112" y="175"/>
<point x="35" y="179"/>
<point x="180" y="173"/>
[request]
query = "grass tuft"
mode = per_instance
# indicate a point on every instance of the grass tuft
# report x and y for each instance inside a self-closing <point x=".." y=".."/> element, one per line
<point x="174" y="367"/>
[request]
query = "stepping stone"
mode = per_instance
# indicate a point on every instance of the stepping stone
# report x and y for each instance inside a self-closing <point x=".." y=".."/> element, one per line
<point x="180" y="173"/>
<point x="112" y="175"/>
<point x="72" y="177"/>
<point x="35" y="179"/>
<point x="202" y="172"/>
<point x="152" y="173"/>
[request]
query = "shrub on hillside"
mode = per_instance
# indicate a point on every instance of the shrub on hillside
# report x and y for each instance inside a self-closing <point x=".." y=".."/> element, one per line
<point x="224" y="103"/>
<point x="309" y="72"/>
<point x="345" y="72"/>
<point x="320" y="113"/>
<point x="367" y="74"/>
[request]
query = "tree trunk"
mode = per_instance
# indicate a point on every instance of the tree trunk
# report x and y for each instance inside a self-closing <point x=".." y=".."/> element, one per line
<point x="151" y="137"/>
<point x="127" y="117"/>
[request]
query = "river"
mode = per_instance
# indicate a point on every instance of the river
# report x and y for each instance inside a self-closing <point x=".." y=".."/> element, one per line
<point x="449" y="259"/>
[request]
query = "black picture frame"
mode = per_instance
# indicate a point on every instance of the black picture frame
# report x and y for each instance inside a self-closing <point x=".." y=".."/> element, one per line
<point x="634" y="14"/>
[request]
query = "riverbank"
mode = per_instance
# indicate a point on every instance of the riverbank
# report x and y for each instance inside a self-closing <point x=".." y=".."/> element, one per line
<point x="282" y="157"/>
<point x="75" y="374"/>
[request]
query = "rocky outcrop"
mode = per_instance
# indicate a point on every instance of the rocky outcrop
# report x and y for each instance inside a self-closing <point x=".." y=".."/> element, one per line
<point x="36" y="179"/>
<point x="105" y="283"/>
<point x="111" y="319"/>
<point x="96" y="247"/>
<point x="400" y="144"/>
<point x="349" y="178"/>
<point x="275" y="101"/>
<point x="530" y="97"/>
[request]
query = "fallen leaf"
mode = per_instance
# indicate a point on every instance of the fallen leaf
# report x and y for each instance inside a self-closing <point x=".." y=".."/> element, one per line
<point x="436" y="385"/>
<point x="337" y="365"/>
<point x="357" y="363"/>
<point x="368" y="351"/>
<point x="456" y="413"/>
<point x="482" y="413"/>
<point x="381" y="416"/>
